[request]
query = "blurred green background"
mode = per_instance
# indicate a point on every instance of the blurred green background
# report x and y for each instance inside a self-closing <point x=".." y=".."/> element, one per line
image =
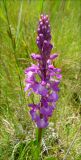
<point x="18" y="26"/>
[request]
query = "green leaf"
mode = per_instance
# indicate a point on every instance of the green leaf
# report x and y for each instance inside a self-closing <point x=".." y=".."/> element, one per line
<point x="2" y="15"/>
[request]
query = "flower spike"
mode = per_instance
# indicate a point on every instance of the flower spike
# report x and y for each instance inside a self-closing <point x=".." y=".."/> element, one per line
<point x="47" y="83"/>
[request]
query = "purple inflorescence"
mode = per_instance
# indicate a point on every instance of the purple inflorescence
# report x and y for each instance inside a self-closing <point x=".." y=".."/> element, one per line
<point x="49" y="76"/>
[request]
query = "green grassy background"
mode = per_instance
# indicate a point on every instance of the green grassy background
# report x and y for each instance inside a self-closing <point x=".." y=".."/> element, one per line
<point x="18" y="25"/>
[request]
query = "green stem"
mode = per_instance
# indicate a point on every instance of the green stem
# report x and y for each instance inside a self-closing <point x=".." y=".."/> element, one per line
<point x="72" y="143"/>
<point x="39" y="135"/>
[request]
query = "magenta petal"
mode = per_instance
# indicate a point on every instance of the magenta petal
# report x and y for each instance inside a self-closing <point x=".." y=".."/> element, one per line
<point x="42" y="123"/>
<point x="53" y="97"/>
<point x="58" y="70"/>
<point x="52" y="68"/>
<point x="33" y="68"/>
<point x="54" y="86"/>
<point x="40" y="89"/>
<point x="36" y="56"/>
<point x="46" y="111"/>
<point x="35" y="87"/>
<point x="34" y="115"/>
<point x="59" y="76"/>
<point x="53" y="56"/>
<point x="53" y="105"/>
<point x="30" y="73"/>
<point x="30" y="77"/>
<point x="28" y="85"/>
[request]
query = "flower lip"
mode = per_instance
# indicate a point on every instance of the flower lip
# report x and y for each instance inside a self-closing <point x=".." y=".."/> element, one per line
<point x="36" y="56"/>
<point x="46" y="111"/>
<point x="33" y="68"/>
<point x="34" y="115"/>
<point x="40" y="89"/>
<point x="42" y="123"/>
<point x="53" y="56"/>
<point x="53" y="97"/>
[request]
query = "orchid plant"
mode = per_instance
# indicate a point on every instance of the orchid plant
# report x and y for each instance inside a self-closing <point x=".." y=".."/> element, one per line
<point x="49" y="76"/>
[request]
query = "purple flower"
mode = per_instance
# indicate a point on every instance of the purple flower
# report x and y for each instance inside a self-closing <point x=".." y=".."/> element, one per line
<point x="34" y="115"/>
<point x="53" y="97"/>
<point x="46" y="111"/>
<point x="40" y="89"/>
<point x="36" y="56"/>
<point x="43" y="78"/>
<point x="42" y="123"/>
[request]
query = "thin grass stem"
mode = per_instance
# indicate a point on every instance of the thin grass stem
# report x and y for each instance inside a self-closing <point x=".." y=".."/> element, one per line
<point x="14" y="42"/>
<point x="72" y="143"/>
